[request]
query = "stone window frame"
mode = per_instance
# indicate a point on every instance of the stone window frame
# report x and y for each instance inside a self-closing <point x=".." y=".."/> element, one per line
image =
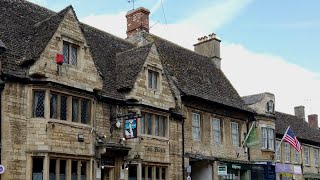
<point x="270" y="107"/>
<point x="157" y="70"/>
<point x="145" y="171"/>
<point x="69" y="94"/>
<point x="153" y="114"/>
<point x="269" y="137"/>
<point x="287" y="152"/>
<point x="75" y="43"/>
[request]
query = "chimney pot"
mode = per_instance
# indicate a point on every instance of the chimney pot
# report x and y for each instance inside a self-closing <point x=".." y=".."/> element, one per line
<point x="299" y="112"/>
<point x="313" y="120"/>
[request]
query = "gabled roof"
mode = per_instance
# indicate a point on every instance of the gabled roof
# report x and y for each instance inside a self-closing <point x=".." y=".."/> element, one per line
<point x="302" y="129"/>
<point x="129" y="64"/>
<point x="104" y="48"/>
<point x="196" y="75"/>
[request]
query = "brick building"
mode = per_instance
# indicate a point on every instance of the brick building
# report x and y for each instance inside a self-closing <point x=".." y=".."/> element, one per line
<point x="80" y="103"/>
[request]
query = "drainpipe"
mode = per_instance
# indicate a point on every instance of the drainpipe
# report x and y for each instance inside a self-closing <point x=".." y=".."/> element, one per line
<point x="3" y="48"/>
<point x="183" y="168"/>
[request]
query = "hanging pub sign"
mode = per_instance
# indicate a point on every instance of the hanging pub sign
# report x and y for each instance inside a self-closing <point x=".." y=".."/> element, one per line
<point x="130" y="128"/>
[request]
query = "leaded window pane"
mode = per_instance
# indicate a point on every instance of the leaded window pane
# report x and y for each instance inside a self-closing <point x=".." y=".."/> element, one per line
<point x="264" y="142"/>
<point x="295" y="156"/>
<point x="74" y="55"/>
<point x="75" y="109"/>
<point x="287" y="152"/>
<point x="316" y="157"/>
<point x="38" y="103"/>
<point x="65" y="52"/>
<point x="278" y="153"/>
<point x="149" y="124"/>
<point x="63" y="108"/>
<point x="54" y="106"/>
<point x="142" y="124"/>
<point x="85" y="113"/>
<point x="156" y="120"/>
<point x="162" y="127"/>
<point x="270" y="138"/>
<point x="150" y="79"/>
<point x="196" y="134"/>
<point x="83" y="170"/>
<point x="306" y="155"/>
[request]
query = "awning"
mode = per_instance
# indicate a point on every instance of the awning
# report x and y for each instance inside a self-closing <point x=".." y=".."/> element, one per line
<point x="311" y="175"/>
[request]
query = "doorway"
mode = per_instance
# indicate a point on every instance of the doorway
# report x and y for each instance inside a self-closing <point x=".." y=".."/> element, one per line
<point x="107" y="173"/>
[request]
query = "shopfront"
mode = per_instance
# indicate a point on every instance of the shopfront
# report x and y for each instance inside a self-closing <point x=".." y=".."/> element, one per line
<point x="284" y="172"/>
<point x="263" y="171"/>
<point x="236" y="170"/>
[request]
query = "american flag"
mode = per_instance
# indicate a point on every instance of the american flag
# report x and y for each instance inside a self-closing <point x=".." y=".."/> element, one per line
<point x="292" y="139"/>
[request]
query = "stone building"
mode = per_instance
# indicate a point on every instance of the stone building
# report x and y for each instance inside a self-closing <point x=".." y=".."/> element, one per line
<point x="262" y="156"/>
<point x="80" y="103"/>
<point x="291" y="164"/>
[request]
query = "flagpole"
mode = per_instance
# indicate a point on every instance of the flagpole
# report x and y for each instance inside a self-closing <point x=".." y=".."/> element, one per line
<point x="244" y="141"/>
<point x="282" y="139"/>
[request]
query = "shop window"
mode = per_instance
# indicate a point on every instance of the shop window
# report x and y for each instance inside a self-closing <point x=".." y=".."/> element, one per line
<point x="267" y="139"/>
<point x="70" y="53"/>
<point x="286" y="152"/>
<point x="152" y="124"/>
<point x="278" y="153"/>
<point x="235" y="133"/>
<point x="216" y="131"/>
<point x="258" y="172"/>
<point x="196" y="129"/>
<point x="153" y="79"/>
<point x="52" y="169"/>
<point x="37" y="168"/>
<point x="306" y="155"/>
<point x="38" y="103"/>
<point x="295" y="156"/>
<point x="316" y="157"/>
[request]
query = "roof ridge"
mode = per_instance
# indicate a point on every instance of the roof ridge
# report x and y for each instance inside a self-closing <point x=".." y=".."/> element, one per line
<point x="106" y="33"/>
<point x="135" y="48"/>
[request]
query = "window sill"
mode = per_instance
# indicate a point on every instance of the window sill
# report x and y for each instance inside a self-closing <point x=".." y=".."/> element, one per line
<point x="308" y="165"/>
<point x="153" y="137"/>
<point x="267" y="150"/>
<point x="75" y="124"/>
<point x="287" y="162"/>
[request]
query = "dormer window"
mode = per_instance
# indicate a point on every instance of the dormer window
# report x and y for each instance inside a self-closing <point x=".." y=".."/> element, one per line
<point x="70" y="53"/>
<point x="153" y="79"/>
<point x="270" y="106"/>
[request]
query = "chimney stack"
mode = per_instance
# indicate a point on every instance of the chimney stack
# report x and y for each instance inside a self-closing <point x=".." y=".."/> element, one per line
<point x="137" y="20"/>
<point x="299" y="112"/>
<point x="313" y="120"/>
<point x="209" y="46"/>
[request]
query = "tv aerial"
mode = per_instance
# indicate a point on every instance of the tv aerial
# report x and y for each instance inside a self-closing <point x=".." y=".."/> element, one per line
<point x="131" y="1"/>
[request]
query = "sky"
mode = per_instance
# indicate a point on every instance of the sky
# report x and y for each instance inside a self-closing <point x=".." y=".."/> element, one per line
<point x="267" y="46"/>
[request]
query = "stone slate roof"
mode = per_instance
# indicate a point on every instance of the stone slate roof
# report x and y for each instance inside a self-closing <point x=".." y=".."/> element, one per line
<point x="196" y="75"/>
<point x="104" y="48"/>
<point x="129" y="64"/>
<point x="26" y="28"/>
<point x="302" y="129"/>
<point x="252" y="99"/>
